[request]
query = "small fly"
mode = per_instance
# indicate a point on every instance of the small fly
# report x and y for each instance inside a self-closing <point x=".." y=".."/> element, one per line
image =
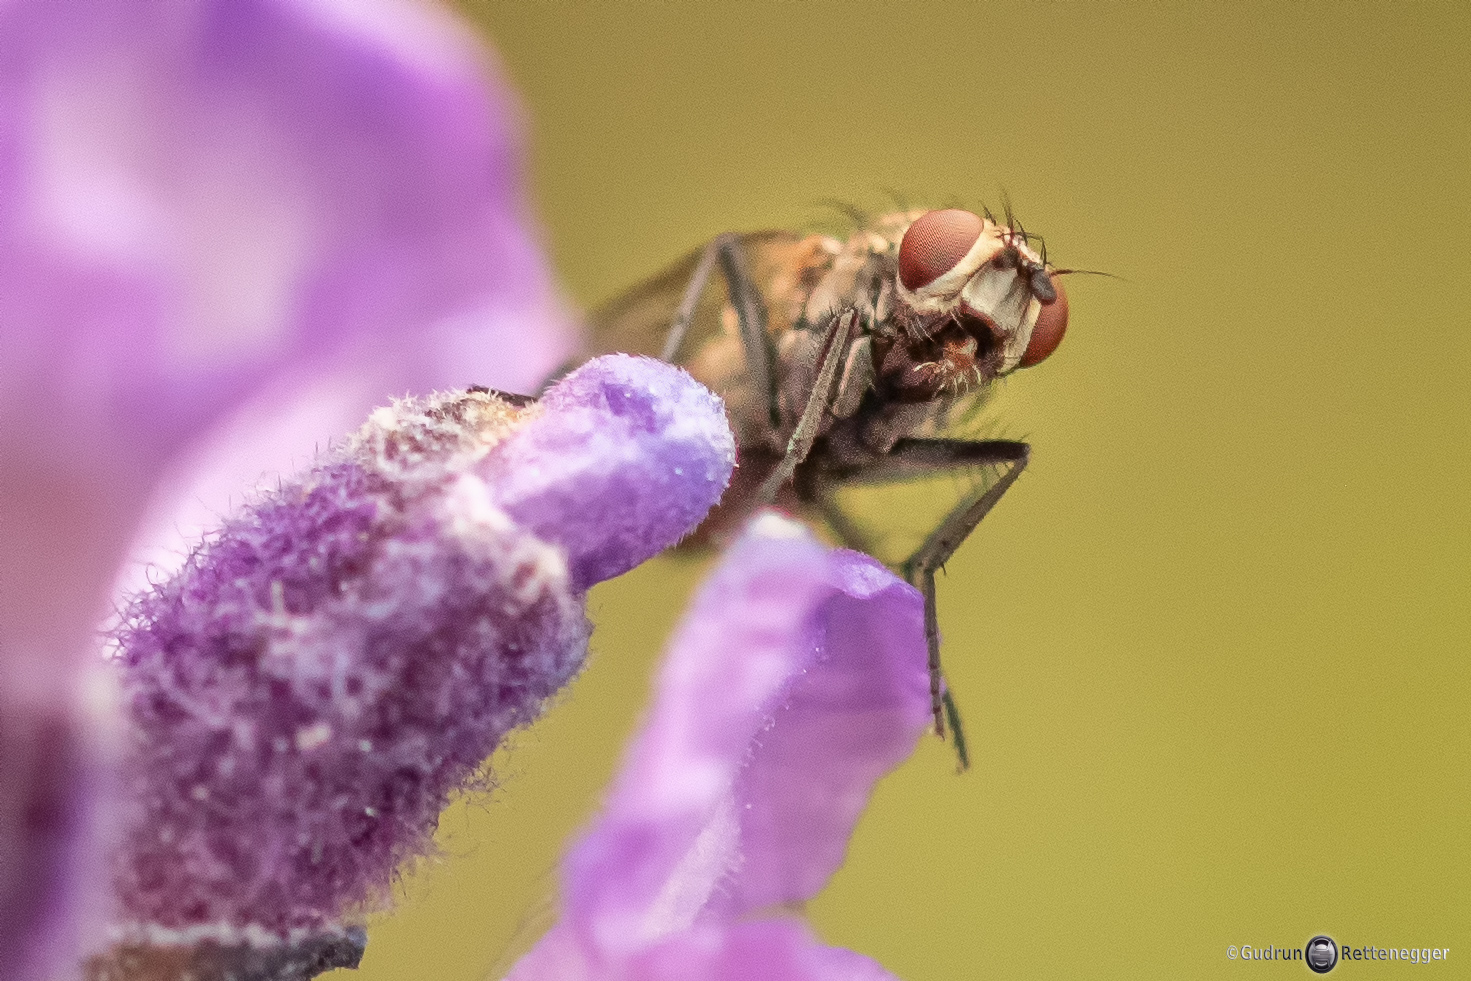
<point x="843" y="363"/>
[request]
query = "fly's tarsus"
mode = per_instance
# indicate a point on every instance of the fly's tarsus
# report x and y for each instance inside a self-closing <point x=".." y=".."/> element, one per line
<point x="919" y="569"/>
<point x="957" y="732"/>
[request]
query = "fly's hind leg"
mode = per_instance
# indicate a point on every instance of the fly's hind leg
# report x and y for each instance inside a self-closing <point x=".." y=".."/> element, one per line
<point x="913" y="458"/>
<point x="750" y="310"/>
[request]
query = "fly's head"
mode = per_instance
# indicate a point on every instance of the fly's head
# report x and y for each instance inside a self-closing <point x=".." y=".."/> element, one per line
<point x="973" y="301"/>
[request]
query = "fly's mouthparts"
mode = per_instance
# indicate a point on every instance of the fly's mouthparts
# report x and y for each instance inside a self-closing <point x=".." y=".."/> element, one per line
<point x="981" y="328"/>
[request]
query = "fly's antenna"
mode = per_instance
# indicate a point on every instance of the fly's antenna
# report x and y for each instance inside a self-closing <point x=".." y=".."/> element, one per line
<point x="1086" y="272"/>
<point x="1015" y="228"/>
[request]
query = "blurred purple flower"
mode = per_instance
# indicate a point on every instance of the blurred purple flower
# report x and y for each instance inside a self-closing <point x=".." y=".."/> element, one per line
<point x="298" y="206"/>
<point x="797" y="680"/>
<point x="307" y="693"/>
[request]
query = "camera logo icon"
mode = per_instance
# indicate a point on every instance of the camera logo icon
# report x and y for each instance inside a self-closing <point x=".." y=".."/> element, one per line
<point x="1322" y="954"/>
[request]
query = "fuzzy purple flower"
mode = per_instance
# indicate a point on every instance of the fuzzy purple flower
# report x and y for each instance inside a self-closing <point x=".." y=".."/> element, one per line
<point x="305" y="696"/>
<point x="288" y="204"/>
<point x="797" y="680"/>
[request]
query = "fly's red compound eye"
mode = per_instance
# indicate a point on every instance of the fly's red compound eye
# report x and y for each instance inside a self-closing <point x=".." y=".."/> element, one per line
<point x="935" y="244"/>
<point x="1047" y="332"/>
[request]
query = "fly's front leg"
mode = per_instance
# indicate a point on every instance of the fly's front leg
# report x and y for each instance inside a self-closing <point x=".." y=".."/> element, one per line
<point x="914" y="458"/>
<point x="831" y="353"/>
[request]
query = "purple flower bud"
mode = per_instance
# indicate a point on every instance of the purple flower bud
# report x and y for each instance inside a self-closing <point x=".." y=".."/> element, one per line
<point x="797" y="679"/>
<point x="307" y="693"/>
<point x="616" y="462"/>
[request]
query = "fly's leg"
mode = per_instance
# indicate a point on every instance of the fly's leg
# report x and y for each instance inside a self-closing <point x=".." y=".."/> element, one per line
<point x="911" y="458"/>
<point x="686" y="312"/>
<point x="829" y="359"/>
<point x="750" y="311"/>
<point x="919" y="569"/>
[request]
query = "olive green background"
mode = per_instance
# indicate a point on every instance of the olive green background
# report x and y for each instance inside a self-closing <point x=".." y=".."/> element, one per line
<point x="1213" y="647"/>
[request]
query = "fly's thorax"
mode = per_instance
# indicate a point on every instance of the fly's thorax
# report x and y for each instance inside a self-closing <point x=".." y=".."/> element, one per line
<point x="861" y="277"/>
<point x="795" y="277"/>
<point x="788" y="269"/>
<point x="720" y="365"/>
<point x="856" y="275"/>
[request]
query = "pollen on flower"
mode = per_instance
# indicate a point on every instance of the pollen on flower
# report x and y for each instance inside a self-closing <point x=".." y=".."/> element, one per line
<point x="382" y="600"/>
<point x="312" y="736"/>
<point x="346" y="652"/>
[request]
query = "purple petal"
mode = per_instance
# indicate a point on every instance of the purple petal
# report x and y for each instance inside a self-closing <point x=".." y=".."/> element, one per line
<point x="193" y="195"/>
<point x="49" y="778"/>
<point x="847" y="720"/>
<point x="772" y="950"/>
<point x="630" y="455"/>
<point x="797" y="679"/>
<point x="304" y="697"/>
<point x="196" y="197"/>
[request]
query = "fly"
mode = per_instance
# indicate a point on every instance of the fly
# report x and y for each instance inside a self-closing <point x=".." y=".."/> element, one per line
<point x="843" y="362"/>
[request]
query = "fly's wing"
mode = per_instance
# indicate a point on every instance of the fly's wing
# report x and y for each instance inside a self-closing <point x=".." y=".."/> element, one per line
<point x="638" y="321"/>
